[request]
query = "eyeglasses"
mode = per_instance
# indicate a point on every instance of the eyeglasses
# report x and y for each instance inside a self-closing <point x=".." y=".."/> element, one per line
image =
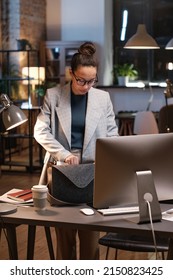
<point x="83" y="82"/>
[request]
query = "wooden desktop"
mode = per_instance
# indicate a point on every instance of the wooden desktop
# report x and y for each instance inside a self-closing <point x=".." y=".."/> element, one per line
<point x="71" y="217"/>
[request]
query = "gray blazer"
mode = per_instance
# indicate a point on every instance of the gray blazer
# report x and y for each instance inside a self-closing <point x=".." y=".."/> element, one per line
<point x="53" y="126"/>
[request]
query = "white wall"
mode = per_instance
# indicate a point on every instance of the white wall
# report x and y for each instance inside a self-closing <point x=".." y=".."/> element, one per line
<point x="53" y="20"/>
<point x="80" y="20"/>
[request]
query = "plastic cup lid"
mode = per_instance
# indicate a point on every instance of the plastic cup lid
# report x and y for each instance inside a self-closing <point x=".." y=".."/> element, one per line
<point x="40" y="188"/>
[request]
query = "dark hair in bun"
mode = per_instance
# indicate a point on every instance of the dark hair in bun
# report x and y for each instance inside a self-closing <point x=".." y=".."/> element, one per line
<point x="85" y="56"/>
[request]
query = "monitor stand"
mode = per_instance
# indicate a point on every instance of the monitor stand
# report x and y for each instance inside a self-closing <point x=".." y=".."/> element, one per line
<point x="147" y="192"/>
<point x="6" y="208"/>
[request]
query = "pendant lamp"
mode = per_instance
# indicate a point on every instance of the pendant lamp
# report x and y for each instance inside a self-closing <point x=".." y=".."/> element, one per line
<point x="141" y="40"/>
<point x="169" y="45"/>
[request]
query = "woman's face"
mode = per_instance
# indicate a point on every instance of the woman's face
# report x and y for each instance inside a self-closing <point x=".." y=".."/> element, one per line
<point x="83" y="79"/>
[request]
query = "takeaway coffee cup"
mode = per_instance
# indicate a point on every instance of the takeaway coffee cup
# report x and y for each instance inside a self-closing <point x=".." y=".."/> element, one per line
<point x="39" y="194"/>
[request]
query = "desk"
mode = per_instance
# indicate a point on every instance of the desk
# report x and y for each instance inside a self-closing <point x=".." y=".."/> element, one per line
<point x="71" y="217"/>
<point x="12" y="238"/>
<point x="126" y="122"/>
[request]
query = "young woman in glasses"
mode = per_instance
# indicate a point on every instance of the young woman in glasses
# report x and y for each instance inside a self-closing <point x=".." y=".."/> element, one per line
<point x="71" y="119"/>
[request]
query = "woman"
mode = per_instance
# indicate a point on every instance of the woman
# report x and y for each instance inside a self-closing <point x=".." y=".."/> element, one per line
<point x="70" y="121"/>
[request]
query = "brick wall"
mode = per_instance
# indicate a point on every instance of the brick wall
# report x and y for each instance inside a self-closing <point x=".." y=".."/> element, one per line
<point x="22" y="19"/>
<point x="33" y="21"/>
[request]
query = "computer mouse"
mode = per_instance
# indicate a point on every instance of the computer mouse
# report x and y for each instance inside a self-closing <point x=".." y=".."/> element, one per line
<point x="170" y="211"/>
<point x="87" y="211"/>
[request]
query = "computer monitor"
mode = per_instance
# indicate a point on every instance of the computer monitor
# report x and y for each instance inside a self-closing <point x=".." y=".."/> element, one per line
<point x="119" y="159"/>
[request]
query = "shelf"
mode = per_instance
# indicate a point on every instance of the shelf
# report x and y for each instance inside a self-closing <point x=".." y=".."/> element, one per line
<point x="16" y="135"/>
<point x="11" y="51"/>
<point x="15" y="79"/>
<point x="55" y="56"/>
<point x="11" y="78"/>
<point x="20" y="163"/>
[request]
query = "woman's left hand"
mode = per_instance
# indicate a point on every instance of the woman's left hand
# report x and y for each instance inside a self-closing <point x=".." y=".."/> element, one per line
<point x="72" y="160"/>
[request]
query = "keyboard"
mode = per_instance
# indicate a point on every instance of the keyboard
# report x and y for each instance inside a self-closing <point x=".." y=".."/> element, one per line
<point x="119" y="210"/>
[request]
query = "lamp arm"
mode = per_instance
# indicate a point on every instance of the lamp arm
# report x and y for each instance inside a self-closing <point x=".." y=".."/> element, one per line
<point x="4" y="99"/>
<point x="2" y="109"/>
<point x="43" y="179"/>
<point x="6" y="102"/>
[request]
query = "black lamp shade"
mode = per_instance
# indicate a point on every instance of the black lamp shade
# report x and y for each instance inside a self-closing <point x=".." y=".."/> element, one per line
<point x="12" y="117"/>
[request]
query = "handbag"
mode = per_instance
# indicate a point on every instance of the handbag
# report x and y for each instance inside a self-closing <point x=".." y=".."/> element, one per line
<point x="71" y="184"/>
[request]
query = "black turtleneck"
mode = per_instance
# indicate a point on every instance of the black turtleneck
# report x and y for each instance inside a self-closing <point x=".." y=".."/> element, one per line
<point x="78" y="111"/>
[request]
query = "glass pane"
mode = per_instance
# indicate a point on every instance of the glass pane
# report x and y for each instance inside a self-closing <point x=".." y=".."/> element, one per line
<point x="157" y="15"/>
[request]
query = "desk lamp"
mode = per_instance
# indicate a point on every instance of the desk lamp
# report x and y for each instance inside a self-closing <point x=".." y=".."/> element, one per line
<point x="12" y="116"/>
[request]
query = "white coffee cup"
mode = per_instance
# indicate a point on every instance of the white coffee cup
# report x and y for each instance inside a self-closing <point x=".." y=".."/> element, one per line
<point x="39" y="195"/>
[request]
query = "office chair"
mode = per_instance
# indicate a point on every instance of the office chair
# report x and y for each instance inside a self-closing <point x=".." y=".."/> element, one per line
<point x="133" y="243"/>
<point x="165" y="119"/>
<point x="145" y="123"/>
<point x="166" y="112"/>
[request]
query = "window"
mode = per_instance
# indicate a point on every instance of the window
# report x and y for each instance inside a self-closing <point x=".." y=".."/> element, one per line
<point x="157" y="15"/>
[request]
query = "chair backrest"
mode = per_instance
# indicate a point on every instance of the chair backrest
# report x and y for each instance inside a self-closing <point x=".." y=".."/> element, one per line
<point x="145" y="123"/>
<point x="165" y="119"/>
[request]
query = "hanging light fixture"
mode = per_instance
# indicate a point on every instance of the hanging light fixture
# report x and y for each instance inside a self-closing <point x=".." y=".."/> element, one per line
<point x="141" y="40"/>
<point x="169" y="45"/>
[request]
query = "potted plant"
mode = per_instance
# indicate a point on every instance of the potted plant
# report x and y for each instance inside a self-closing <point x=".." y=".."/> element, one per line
<point x="122" y="73"/>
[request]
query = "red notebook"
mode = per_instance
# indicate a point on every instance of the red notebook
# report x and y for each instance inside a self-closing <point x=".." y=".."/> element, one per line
<point x="23" y="195"/>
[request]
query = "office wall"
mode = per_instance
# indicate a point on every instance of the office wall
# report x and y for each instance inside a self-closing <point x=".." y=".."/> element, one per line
<point x="136" y="99"/>
<point x="84" y="20"/>
<point x="53" y="20"/>
<point x="22" y="19"/>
